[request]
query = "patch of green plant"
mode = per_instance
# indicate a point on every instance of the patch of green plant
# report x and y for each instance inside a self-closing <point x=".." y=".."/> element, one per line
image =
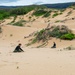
<point x="61" y="32"/>
<point x="20" y="10"/>
<point x="18" y="24"/>
<point x="56" y="31"/>
<point x="39" y="12"/>
<point x="62" y="10"/>
<point x="41" y="31"/>
<point x="33" y="20"/>
<point x="23" y="21"/>
<point x="30" y="17"/>
<point x="0" y="30"/>
<point x="54" y="15"/>
<point x="28" y="44"/>
<point x="32" y="42"/>
<point x="68" y="36"/>
<point x="60" y="13"/>
<point x="69" y="13"/>
<point x="47" y="14"/>
<point x="14" y="19"/>
<point x="70" y="48"/>
<point x="42" y="45"/>
<point x="57" y="21"/>
<point x="4" y="15"/>
<point x="72" y="6"/>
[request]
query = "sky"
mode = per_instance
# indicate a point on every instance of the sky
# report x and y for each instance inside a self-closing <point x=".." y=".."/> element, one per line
<point x="29" y="2"/>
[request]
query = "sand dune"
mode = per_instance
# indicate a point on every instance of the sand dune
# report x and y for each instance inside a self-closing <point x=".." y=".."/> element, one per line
<point x="36" y="61"/>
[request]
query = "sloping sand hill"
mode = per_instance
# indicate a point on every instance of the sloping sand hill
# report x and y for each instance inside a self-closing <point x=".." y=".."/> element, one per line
<point x="36" y="61"/>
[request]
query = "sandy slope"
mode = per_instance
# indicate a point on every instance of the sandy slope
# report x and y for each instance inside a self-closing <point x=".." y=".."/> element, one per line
<point x="43" y="61"/>
<point x="36" y="61"/>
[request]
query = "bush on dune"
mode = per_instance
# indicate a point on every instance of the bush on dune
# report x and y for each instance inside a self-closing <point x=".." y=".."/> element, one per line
<point x="54" y="15"/>
<point x="20" y="10"/>
<point x="68" y="36"/>
<point x="39" y="12"/>
<point x="61" y="32"/>
<point x="19" y="23"/>
<point x="47" y="14"/>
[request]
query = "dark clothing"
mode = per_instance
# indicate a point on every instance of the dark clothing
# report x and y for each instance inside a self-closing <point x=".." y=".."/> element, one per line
<point x="54" y="45"/>
<point x="18" y="49"/>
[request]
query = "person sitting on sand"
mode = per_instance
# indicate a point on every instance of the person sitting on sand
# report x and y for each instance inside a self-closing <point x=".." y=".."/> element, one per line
<point x="54" y="45"/>
<point x="18" y="48"/>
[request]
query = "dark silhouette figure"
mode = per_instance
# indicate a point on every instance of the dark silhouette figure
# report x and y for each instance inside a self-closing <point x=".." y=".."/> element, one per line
<point x="18" y="48"/>
<point x="54" y="45"/>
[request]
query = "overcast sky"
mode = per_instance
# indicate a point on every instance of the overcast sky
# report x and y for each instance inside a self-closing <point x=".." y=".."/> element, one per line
<point x="28" y="2"/>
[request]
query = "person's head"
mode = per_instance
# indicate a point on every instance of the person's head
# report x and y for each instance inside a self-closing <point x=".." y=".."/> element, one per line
<point x="19" y="44"/>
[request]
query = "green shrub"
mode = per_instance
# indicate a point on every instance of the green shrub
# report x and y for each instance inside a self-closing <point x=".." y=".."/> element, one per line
<point x="41" y="32"/>
<point x="56" y="34"/>
<point x="15" y="16"/>
<point x="54" y="15"/>
<point x="18" y="24"/>
<point x="61" y="32"/>
<point x="30" y="17"/>
<point x="47" y="14"/>
<point x="34" y="41"/>
<point x="39" y="12"/>
<point x="4" y="15"/>
<point x="55" y="31"/>
<point x="57" y="21"/>
<point x="20" y="10"/>
<point x="23" y="21"/>
<point x="62" y="10"/>
<point x="68" y="36"/>
<point x="40" y="36"/>
<point x="68" y="13"/>
<point x="60" y="13"/>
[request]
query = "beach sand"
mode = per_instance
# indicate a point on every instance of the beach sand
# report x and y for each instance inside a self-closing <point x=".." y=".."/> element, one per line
<point x="36" y="61"/>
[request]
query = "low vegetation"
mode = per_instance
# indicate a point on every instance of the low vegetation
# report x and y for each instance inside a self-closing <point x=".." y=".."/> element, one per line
<point x="57" y="21"/>
<point x="21" y="10"/>
<point x="4" y="14"/>
<point x="0" y="30"/>
<point x="72" y="6"/>
<point x="39" y="12"/>
<point x="55" y="14"/>
<point x="68" y="13"/>
<point x="68" y="36"/>
<point x="19" y="23"/>
<point x="14" y="19"/>
<point x="47" y="14"/>
<point x="61" y="32"/>
<point x="70" y="48"/>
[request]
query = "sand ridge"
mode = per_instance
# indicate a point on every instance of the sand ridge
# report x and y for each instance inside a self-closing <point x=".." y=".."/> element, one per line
<point x="36" y="61"/>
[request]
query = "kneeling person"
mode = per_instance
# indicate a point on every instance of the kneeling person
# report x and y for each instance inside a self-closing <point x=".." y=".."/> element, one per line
<point x="18" y="48"/>
<point x="54" y="45"/>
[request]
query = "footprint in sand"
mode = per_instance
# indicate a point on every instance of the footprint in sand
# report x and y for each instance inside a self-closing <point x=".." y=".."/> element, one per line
<point x="17" y="67"/>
